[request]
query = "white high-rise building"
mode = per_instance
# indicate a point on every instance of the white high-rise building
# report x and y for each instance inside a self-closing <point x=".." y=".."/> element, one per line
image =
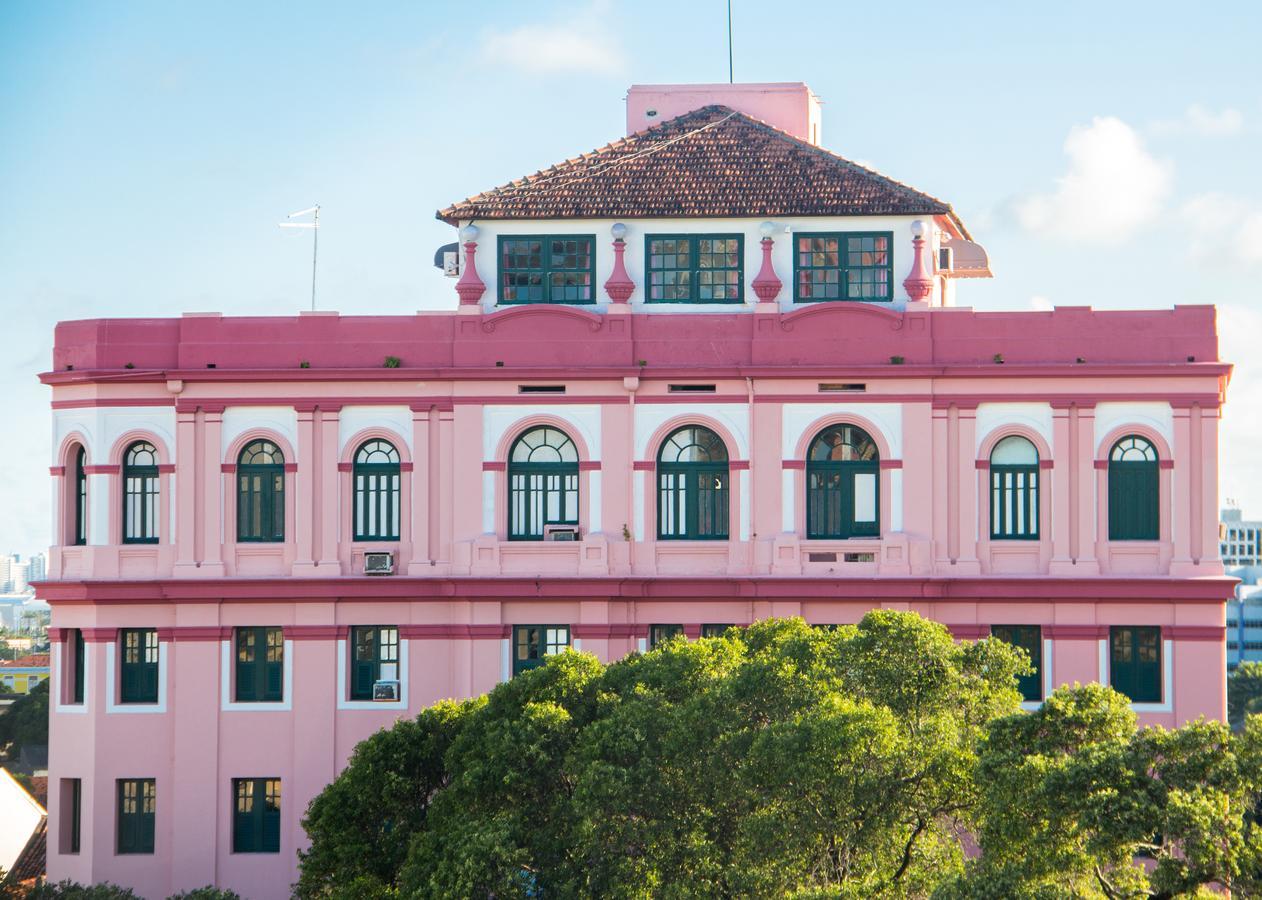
<point x="1240" y="541"/>
<point x="37" y="567"/>
<point x="19" y="576"/>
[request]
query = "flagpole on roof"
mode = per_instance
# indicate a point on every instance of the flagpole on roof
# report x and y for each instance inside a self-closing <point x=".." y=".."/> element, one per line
<point x="314" y="225"/>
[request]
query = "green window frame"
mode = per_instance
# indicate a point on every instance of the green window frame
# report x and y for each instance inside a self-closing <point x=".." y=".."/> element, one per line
<point x="372" y="646"/>
<point x="843" y="484"/>
<point x="533" y="644"/>
<point x="376" y="473"/>
<point x="80" y="497"/>
<point x="1134" y="490"/>
<point x="137" y="804"/>
<point x="551" y="268"/>
<point x="138" y="673"/>
<point x="1135" y="662"/>
<point x="694" y="268"/>
<point x="1014" y="490"/>
<point x="660" y="634"/>
<point x="693" y="496"/>
<point x="260" y="667"/>
<point x="79" y="661"/>
<point x="260" y="493"/>
<point x="1030" y="639"/>
<point x="256" y="815"/>
<point x="542" y="483"/>
<point x="843" y="265"/>
<point x="715" y="629"/>
<point x="141" y="491"/>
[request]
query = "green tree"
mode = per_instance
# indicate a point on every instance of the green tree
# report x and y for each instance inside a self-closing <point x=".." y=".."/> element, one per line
<point x="26" y="721"/>
<point x="361" y="825"/>
<point x="69" y="890"/>
<point x="775" y="760"/>
<point x="1076" y="801"/>
<point x="1244" y="691"/>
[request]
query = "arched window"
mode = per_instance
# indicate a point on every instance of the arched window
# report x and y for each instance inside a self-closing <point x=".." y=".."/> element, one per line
<point x="542" y="483"/>
<point x="692" y="486"/>
<point x="80" y="497"/>
<point x="1134" y="494"/>
<point x="140" y="494"/>
<point x="1014" y="490"/>
<point x="261" y="493"/>
<point x="376" y="500"/>
<point x="843" y="484"/>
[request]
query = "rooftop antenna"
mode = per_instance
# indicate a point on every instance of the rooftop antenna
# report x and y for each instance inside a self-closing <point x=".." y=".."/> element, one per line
<point x="314" y="225"/>
<point x="730" y="78"/>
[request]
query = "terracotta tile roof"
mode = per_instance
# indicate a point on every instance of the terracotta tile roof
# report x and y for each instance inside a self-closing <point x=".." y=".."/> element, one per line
<point x="32" y="863"/>
<point x="712" y="161"/>
<point x="34" y="660"/>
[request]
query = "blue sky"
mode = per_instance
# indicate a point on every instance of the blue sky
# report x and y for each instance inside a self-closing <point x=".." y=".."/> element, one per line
<point x="1104" y="153"/>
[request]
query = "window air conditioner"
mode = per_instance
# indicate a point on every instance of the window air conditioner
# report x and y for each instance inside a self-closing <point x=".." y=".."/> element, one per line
<point x="385" y="691"/>
<point x="378" y="563"/>
<point x="560" y="532"/>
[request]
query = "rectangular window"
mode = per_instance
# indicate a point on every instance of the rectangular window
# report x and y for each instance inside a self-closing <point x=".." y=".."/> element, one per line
<point x="1014" y="502"/>
<point x="694" y="268"/>
<point x="660" y="634"/>
<point x="547" y="269"/>
<point x="139" y="670"/>
<point x="714" y="629"/>
<point x="136" y="804"/>
<point x="256" y="815"/>
<point x="1135" y="662"/>
<point x="843" y="266"/>
<point x="71" y="814"/>
<point x="532" y="644"/>
<point x="260" y="665"/>
<point x="1030" y="639"/>
<point x="76" y="658"/>
<point x="375" y="657"/>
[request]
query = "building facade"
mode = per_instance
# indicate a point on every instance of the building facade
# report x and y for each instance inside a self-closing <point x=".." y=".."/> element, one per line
<point x="707" y="374"/>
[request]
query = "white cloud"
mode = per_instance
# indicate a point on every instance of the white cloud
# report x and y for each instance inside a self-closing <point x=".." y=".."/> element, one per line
<point x="1224" y="229"/>
<point x="580" y="43"/>
<point x="1240" y="464"/>
<point x="1201" y="122"/>
<point x="1114" y="186"/>
<point x="1040" y="303"/>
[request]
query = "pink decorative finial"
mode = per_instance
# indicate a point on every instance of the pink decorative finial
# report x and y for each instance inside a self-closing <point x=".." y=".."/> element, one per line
<point x="619" y="286"/>
<point x="470" y="286"/>
<point x="918" y="284"/>
<point x="766" y="284"/>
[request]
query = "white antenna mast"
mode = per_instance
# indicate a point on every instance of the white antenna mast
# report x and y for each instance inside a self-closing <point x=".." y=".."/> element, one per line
<point x="314" y="225"/>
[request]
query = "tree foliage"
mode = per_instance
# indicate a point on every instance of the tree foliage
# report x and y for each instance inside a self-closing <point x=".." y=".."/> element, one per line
<point x="1244" y="691"/>
<point x="786" y="760"/>
<point x="776" y="760"/>
<point x="26" y="721"/>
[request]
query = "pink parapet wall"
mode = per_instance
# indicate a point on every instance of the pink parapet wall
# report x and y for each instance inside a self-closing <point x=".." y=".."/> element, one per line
<point x="790" y="106"/>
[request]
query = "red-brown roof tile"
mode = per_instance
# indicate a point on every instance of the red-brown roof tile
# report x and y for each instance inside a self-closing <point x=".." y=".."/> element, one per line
<point x="712" y="161"/>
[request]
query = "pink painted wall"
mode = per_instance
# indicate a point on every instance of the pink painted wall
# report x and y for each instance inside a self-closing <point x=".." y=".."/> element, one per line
<point x="461" y="585"/>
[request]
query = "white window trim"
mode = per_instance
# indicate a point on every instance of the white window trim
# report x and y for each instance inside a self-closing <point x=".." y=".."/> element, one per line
<point x="227" y="704"/>
<point x="57" y="687"/>
<point x="111" y="681"/>
<point x="1167" y="677"/>
<point x="1048" y="681"/>
<point x="506" y="658"/>
<point x="344" y="685"/>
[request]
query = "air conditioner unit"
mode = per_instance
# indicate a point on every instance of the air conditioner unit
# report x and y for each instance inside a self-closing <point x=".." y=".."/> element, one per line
<point x="385" y="691"/>
<point x="946" y="259"/>
<point x="378" y="563"/>
<point x="560" y="533"/>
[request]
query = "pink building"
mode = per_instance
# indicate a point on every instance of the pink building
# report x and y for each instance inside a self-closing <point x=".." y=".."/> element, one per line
<point x="703" y="375"/>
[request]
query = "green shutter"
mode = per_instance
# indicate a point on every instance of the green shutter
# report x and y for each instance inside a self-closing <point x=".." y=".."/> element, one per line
<point x="274" y="665"/>
<point x="247" y="653"/>
<point x="1134" y="501"/>
<point x="1030" y="639"/>
<point x="136" y="804"/>
<point x="1135" y="662"/>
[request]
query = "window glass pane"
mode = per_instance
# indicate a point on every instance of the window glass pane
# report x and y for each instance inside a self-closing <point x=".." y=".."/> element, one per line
<point x="865" y="497"/>
<point x="1014" y="450"/>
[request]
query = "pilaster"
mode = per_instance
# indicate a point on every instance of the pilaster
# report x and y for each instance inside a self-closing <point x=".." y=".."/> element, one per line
<point x="185" y="493"/>
<point x="304" y="502"/>
<point x="325" y="507"/>
<point x="422" y="559"/>
<point x="210" y="514"/>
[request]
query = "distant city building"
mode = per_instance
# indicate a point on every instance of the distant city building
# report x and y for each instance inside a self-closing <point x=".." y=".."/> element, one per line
<point x="1239" y="541"/>
<point x="24" y="674"/>
<point x="36" y="568"/>
<point x="19" y="578"/>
